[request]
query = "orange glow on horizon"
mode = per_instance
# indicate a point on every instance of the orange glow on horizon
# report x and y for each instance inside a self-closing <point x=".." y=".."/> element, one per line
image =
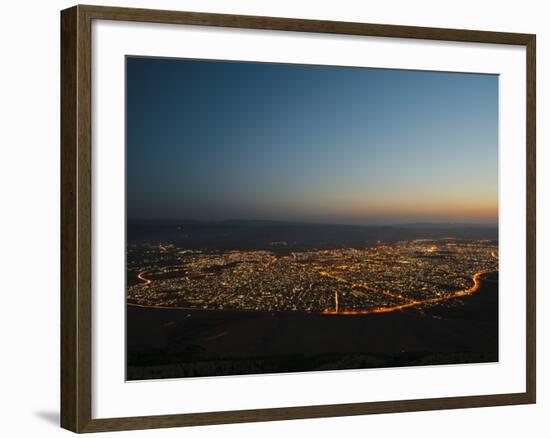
<point x="391" y="208"/>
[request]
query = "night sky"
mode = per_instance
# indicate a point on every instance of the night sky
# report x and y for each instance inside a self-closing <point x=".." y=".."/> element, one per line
<point x="215" y="140"/>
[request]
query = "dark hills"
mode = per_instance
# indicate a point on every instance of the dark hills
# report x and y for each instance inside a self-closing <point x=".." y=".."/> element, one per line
<point x="259" y="234"/>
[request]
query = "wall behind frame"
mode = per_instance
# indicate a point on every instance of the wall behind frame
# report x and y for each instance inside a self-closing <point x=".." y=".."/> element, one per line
<point x="29" y="230"/>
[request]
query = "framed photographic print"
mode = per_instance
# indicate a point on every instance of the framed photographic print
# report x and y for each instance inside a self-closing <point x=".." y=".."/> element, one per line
<point x="270" y="218"/>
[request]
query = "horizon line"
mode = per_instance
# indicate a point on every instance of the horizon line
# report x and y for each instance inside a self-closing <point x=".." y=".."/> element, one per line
<point x="393" y="224"/>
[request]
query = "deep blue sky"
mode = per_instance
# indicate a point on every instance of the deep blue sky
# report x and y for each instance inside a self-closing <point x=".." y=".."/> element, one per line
<point x="214" y="140"/>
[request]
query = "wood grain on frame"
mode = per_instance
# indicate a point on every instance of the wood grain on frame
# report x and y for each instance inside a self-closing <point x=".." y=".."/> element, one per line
<point x="76" y="299"/>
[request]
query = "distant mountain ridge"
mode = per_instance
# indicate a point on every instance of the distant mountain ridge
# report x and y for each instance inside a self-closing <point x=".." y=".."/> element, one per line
<point x="268" y="222"/>
<point x="257" y="234"/>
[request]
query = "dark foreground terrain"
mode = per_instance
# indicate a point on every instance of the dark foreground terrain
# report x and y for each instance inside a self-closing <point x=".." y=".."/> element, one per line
<point x="170" y="343"/>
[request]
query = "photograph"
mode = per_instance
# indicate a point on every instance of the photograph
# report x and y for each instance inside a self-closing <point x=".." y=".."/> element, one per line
<point x="285" y="218"/>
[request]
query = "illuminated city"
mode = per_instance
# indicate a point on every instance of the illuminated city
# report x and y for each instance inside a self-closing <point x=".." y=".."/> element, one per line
<point x="380" y="278"/>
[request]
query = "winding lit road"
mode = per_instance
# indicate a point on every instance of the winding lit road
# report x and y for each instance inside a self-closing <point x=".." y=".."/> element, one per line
<point x="141" y="276"/>
<point x="474" y="288"/>
<point x="410" y="303"/>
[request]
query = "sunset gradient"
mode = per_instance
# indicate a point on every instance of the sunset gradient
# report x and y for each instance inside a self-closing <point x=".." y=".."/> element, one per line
<point x="214" y="140"/>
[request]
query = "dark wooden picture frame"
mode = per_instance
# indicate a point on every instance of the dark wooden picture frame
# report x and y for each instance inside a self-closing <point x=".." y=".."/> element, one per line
<point x="76" y="218"/>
